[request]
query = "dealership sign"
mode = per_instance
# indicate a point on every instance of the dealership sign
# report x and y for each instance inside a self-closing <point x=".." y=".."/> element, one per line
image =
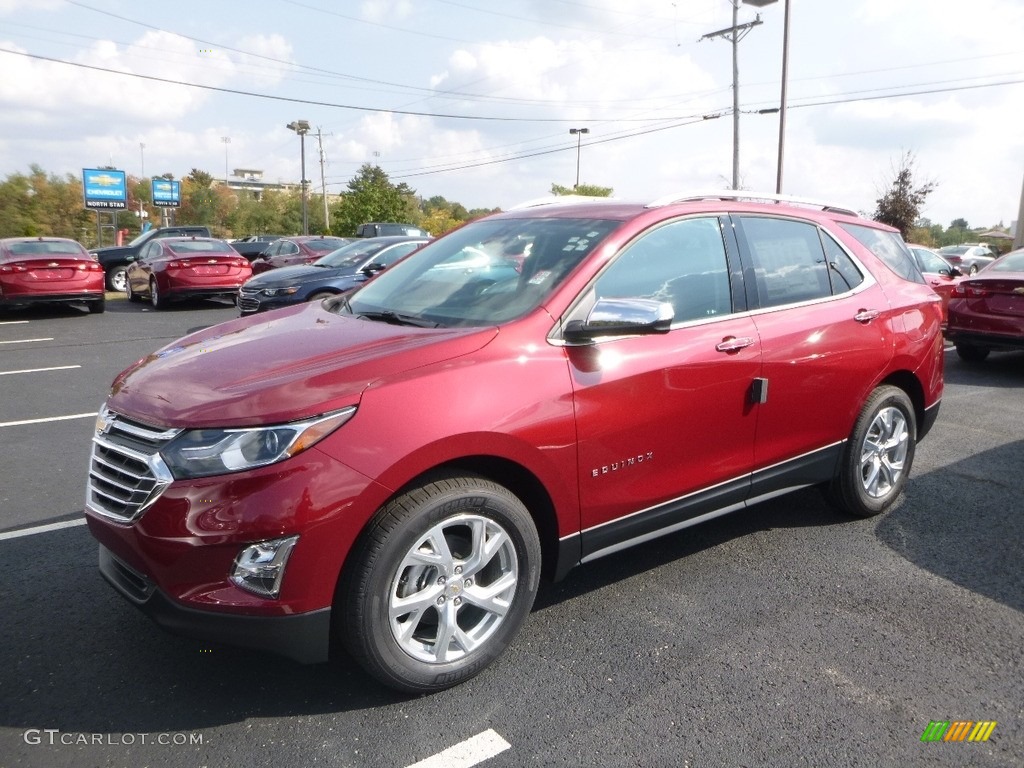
<point x="105" y="188"/>
<point x="166" y="193"/>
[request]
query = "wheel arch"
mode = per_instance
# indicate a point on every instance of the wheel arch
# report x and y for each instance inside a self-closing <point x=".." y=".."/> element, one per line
<point x="910" y="385"/>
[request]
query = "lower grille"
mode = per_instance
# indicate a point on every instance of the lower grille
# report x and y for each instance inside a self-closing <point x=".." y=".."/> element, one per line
<point x="126" y="472"/>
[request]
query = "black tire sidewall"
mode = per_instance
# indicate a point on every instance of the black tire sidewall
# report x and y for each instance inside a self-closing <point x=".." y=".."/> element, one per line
<point x="364" y="623"/>
<point x="851" y="493"/>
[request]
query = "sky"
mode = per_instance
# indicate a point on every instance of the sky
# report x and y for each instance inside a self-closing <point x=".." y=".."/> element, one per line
<point x="473" y="100"/>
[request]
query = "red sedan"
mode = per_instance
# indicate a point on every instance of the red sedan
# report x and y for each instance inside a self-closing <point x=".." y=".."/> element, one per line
<point x="184" y="268"/>
<point x="49" y="270"/>
<point x="940" y="274"/>
<point x="290" y="251"/>
<point x="986" y="311"/>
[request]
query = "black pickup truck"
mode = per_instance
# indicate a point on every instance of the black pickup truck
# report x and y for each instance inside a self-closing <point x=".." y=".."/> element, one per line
<point x="253" y="245"/>
<point x="116" y="258"/>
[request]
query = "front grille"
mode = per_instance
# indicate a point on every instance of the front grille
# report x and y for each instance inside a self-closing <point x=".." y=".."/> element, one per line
<point x="247" y="301"/>
<point x="126" y="471"/>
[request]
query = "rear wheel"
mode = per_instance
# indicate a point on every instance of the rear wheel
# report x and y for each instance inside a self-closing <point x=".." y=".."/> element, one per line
<point x="117" y="278"/>
<point x="971" y="354"/>
<point x="439" y="584"/>
<point x="154" y="295"/>
<point x="973" y="270"/>
<point x="878" y="455"/>
<point x="98" y="307"/>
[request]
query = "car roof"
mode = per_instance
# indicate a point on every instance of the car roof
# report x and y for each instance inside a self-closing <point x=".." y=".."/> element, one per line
<point x="38" y="239"/>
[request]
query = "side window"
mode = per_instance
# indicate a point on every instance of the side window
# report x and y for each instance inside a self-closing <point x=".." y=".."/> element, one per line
<point x="842" y="271"/>
<point x="394" y="253"/>
<point x="149" y="252"/>
<point x="682" y="263"/>
<point x="788" y="260"/>
<point x="289" y="248"/>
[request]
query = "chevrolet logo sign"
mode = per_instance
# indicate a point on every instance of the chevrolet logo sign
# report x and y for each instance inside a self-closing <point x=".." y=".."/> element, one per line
<point x="106" y="180"/>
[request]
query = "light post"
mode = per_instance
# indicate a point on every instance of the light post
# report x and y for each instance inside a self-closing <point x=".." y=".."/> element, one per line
<point x="301" y="127"/>
<point x="226" y="140"/>
<point x="785" y="80"/>
<point x="578" y="133"/>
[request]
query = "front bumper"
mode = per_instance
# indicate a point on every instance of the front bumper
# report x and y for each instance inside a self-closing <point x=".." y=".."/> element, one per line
<point x="303" y="637"/>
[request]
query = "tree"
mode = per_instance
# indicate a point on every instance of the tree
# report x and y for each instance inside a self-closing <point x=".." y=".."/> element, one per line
<point x="900" y="205"/>
<point x="372" y="197"/>
<point x="589" y="190"/>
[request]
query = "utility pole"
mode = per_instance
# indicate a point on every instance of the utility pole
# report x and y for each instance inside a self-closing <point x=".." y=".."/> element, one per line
<point x="734" y="34"/>
<point x="323" y="179"/>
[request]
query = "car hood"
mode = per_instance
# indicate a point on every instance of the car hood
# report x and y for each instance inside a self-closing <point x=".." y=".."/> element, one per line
<point x="112" y="250"/>
<point x="300" y="273"/>
<point x="278" y="367"/>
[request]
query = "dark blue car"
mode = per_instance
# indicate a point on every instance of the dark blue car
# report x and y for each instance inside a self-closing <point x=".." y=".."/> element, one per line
<point x="337" y="272"/>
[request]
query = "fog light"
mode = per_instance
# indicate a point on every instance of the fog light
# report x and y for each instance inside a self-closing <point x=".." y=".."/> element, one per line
<point x="259" y="567"/>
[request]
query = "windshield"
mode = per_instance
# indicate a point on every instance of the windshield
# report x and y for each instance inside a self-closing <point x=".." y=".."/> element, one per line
<point x="324" y="244"/>
<point x="1011" y="262"/>
<point x="485" y="273"/>
<point x="351" y="255"/>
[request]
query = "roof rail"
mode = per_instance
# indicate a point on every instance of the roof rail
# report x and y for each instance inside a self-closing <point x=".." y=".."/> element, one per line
<point x="539" y="202"/>
<point x="739" y="194"/>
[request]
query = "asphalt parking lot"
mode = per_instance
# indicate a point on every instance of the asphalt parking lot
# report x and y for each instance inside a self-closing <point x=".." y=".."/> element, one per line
<point x="783" y="635"/>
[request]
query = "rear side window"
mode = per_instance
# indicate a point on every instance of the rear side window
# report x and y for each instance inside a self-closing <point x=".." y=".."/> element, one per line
<point x="682" y="263"/>
<point x="842" y="270"/>
<point x="788" y="258"/>
<point x="890" y="250"/>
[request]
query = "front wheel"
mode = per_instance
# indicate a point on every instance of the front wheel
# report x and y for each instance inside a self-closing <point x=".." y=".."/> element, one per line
<point x="117" y="278"/>
<point x="439" y="584"/>
<point x="878" y="456"/>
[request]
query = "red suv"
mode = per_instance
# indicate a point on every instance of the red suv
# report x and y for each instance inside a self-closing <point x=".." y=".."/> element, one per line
<point x="394" y="469"/>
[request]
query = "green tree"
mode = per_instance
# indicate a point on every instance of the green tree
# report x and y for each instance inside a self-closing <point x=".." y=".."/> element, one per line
<point x="588" y="190"/>
<point x="900" y="205"/>
<point x="372" y="197"/>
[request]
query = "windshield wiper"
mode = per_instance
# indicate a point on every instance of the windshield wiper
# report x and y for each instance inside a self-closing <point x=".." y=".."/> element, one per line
<point x="395" y="318"/>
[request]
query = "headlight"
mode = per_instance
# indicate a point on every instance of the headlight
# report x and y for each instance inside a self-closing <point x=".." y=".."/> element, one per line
<point x="280" y="291"/>
<point x="205" y="452"/>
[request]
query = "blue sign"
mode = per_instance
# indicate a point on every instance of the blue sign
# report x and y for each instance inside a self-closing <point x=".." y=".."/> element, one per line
<point x="105" y="188"/>
<point x="166" y="193"/>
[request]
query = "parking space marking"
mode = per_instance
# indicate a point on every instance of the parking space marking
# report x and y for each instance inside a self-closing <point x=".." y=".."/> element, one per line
<point x="41" y="529"/>
<point x="26" y="341"/>
<point x="90" y="415"/>
<point x="468" y="753"/>
<point x="40" y="370"/>
<point x="13" y="322"/>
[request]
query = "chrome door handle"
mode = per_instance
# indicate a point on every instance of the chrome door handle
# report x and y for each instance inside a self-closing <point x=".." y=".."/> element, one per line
<point x="866" y="315"/>
<point x="734" y="344"/>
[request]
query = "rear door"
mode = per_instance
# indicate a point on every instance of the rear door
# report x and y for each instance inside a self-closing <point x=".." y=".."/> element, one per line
<point x="823" y="324"/>
<point x="666" y="422"/>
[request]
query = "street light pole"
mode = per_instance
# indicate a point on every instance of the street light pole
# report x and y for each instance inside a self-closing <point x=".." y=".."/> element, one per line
<point x="301" y="127"/>
<point x="785" y="80"/>
<point x="578" y="133"/>
<point x="226" y="140"/>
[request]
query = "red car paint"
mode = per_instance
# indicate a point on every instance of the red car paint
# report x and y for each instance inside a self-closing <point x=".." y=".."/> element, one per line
<point x="986" y="310"/>
<point x="175" y="268"/>
<point x="608" y="442"/>
<point x="49" y="270"/>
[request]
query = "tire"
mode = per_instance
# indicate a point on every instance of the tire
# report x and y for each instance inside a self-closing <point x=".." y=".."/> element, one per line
<point x="117" y="278"/>
<point x="971" y="354"/>
<point x="878" y="456"/>
<point x="132" y="295"/>
<point x="423" y="550"/>
<point x="154" y="295"/>
<point x="321" y="296"/>
<point x="97" y="307"/>
<point x="973" y="270"/>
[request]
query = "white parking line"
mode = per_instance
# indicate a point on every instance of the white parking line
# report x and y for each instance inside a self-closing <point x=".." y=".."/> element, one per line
<point x="470" y="752"/>
<point x="26" y="341"/>
<point x="40" y="370"/>
<point x="41" y="529"/>
<point x="91" y="415"/>
<point x="13" y="322"/>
